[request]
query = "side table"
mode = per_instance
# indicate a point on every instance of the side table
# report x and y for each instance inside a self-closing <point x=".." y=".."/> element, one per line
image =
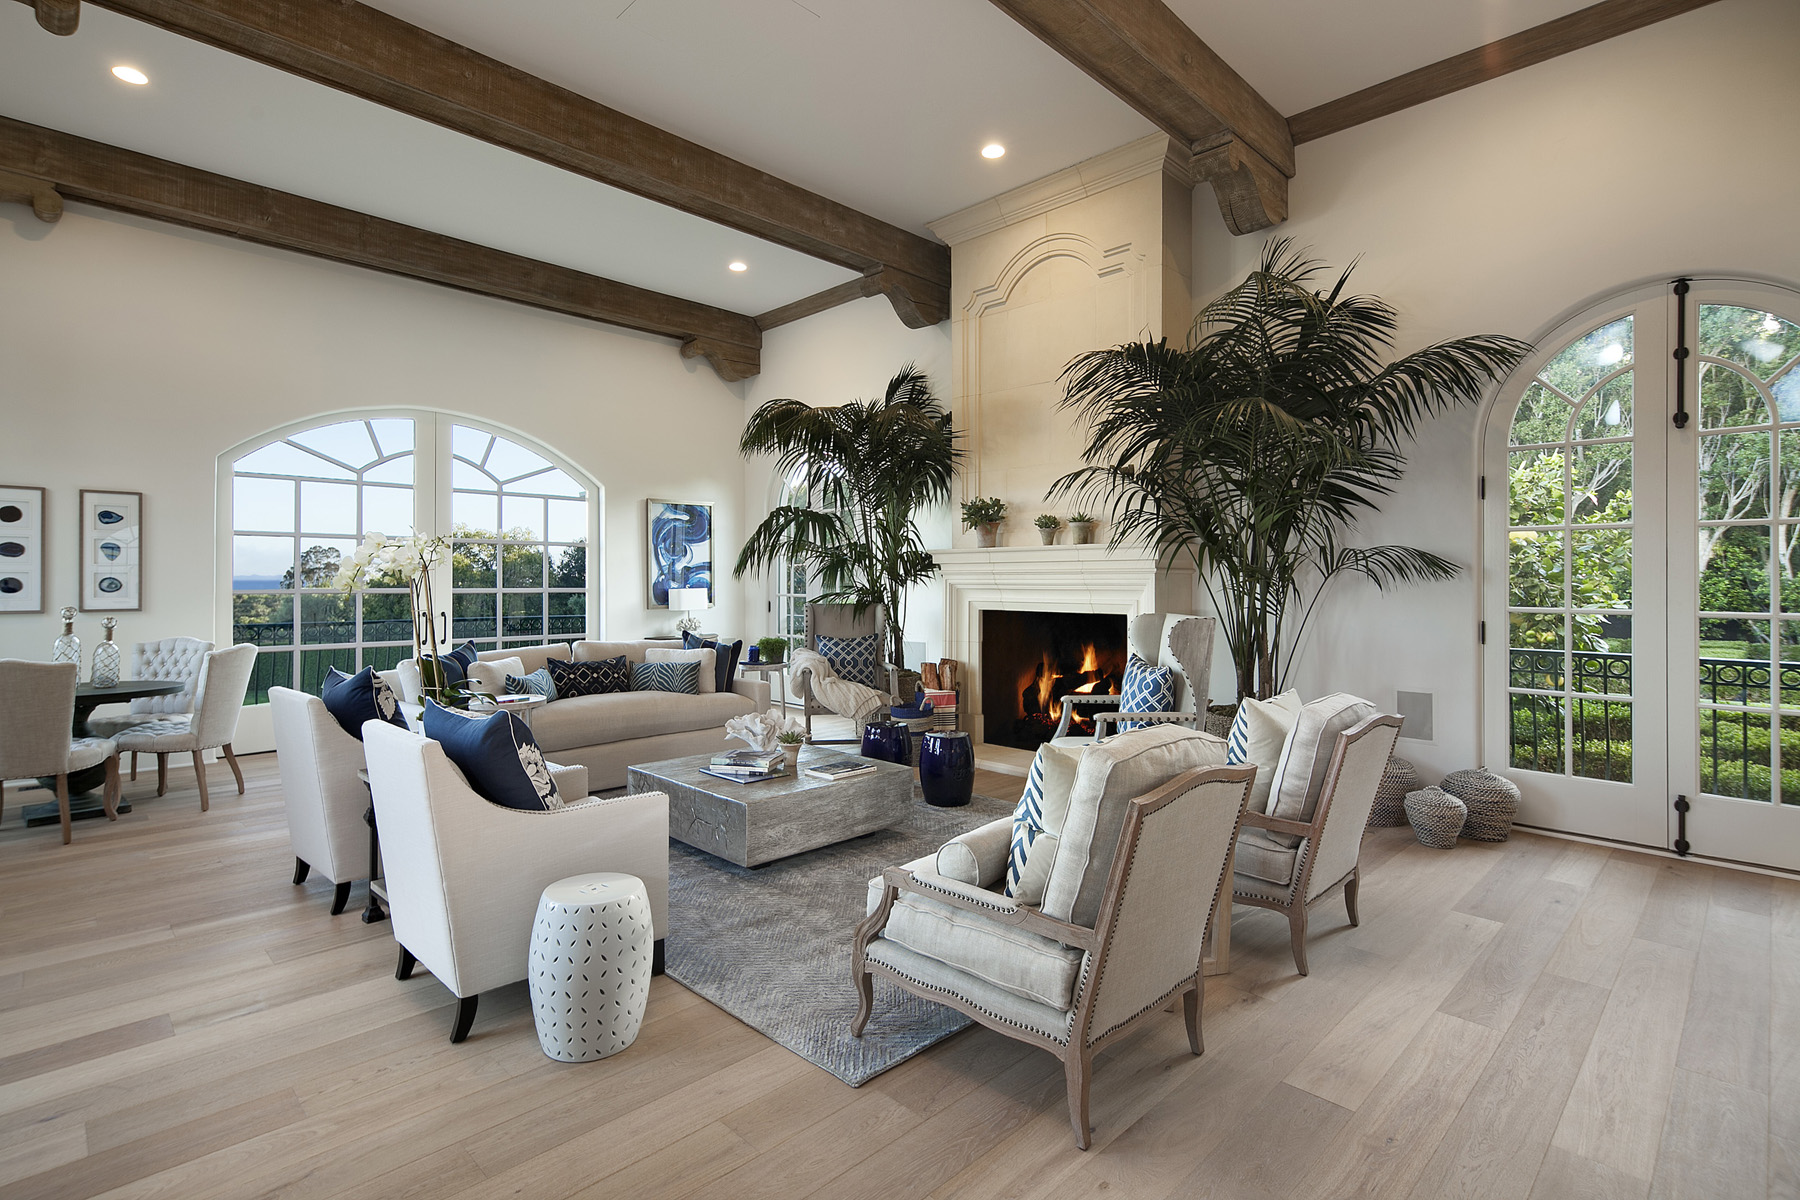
<point x="763" y="670"/>
<point x="590" y="965"/>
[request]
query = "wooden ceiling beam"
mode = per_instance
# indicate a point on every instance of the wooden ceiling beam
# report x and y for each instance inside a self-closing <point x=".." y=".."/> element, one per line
<point x="1148" y="57"/>
<point x="367" y="53"/>
<point x="1526" y="48"/>
<point x="37" y="164"/>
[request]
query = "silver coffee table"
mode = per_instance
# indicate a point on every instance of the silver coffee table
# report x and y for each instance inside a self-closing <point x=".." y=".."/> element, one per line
<point x="755" y="823"/>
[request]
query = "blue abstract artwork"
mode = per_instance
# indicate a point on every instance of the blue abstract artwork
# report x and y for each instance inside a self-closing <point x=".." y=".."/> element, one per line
<point x="680" y="542"/>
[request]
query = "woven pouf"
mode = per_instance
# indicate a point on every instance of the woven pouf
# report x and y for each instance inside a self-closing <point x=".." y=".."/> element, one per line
<point x="1400" y="778"/>
<point x="1436" y="817"/>
<point x="590" y="965"/>
<point x="1492" y="801"/>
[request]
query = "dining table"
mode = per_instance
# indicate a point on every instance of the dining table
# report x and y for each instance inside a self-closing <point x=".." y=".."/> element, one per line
<point x="85" y="801"/>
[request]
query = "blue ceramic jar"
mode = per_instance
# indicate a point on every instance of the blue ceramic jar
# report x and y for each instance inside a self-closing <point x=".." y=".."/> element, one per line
<point x="947" y="769"/>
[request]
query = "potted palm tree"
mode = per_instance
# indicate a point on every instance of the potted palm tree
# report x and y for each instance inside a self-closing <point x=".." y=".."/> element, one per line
<point x="1255" y="449"/>
<point x="869" y="467"/>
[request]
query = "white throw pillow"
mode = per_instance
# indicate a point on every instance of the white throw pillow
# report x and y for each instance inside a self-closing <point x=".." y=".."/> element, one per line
<point x="489" y="675"/>
<point x="1307" y="756"/>
<point x="1259" y="733"/>
<point x="1038" y="821"/>
<point x="708" y="660"/>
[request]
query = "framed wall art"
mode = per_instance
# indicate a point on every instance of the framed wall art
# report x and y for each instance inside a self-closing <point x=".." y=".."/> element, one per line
<point x="112" y="551"/>
<point x="680" y="541"/>
<point x="21" y="549"/>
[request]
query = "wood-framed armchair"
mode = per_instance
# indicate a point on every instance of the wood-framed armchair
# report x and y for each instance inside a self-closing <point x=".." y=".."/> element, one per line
<point x="1162" y="640"/>
<point x="1124" y="923"/>
<point x="843" y="621"/>
<point x="1290" y="863"/>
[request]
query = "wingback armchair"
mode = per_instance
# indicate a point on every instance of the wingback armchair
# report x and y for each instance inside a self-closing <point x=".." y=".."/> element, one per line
<point x="1305" y="847"/>
<point x="1175" y="640"/>
<point x="464" y="875"/>
<point x="1138" y="868"/>
<point x="843" y="621"/>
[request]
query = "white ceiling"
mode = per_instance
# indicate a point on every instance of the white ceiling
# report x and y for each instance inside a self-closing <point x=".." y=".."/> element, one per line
<point x="214" y="110"/>
<point x="881" y="104"/>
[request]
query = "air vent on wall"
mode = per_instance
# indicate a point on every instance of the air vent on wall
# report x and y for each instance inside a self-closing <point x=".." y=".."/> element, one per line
<point x="1416" y="708"/>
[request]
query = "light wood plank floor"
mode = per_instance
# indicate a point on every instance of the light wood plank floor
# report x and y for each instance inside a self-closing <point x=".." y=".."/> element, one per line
<point x="1536" y="1019"/>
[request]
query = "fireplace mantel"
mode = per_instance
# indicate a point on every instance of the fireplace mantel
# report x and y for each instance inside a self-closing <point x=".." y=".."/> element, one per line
<point x="1047" y="579"/>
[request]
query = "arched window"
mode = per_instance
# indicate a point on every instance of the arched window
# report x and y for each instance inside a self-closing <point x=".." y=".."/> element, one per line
<point x="521" y="523"/>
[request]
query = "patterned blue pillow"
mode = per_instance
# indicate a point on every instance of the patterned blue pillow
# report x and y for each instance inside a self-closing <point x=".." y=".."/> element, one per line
<point x="538" y="683"/>
<point x="595" y="678"/>
<point x="1027" y="823"/>
<point x="1237" y="742"/>
<point x="498" y="756"/>
<point x="1146" y="689"/>
<point x="854" y="659"/>
<point x="455" y="664"/>
<point x="682" y="678"/>
<point x="364" y="696"/>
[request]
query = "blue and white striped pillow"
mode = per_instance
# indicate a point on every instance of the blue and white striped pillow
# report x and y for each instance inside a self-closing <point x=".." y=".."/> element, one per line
<point x="538" y="683"/>
<point x="1237" y="741"/>
<point x="682" y="678"/>
<point x="1146" y="689"/>
<point x="1027" y="823"/>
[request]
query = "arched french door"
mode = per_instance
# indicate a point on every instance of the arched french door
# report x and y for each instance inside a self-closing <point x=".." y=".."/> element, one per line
<point x="1642" y="591"/>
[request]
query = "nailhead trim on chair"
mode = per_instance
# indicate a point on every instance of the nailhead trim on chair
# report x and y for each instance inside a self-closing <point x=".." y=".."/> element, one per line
<point x="1004" y="1020"/>
<point x="931" y="887"/>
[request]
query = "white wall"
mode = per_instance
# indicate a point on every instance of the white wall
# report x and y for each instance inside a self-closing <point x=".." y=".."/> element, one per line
<point x="132" y="353"/>
<point x="1503" y="209"/>
<point x="844" y="353"/>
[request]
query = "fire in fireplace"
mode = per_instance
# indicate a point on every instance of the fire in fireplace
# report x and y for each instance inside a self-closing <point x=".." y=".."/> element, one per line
<point x="1031" y="660"/>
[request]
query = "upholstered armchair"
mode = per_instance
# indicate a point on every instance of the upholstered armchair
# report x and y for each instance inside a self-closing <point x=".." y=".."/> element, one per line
<point x="325" y="797"/>
<point x="1305" y="848"/>
<point x="843" y="621"/>
<point x="175" y="658"/>
<point x="37" y="710"/>
<point x="464" y="875"/>
<point x="1163" y="640"/>
<point x="1138" y="867"/>
<point x="218" y="699"/>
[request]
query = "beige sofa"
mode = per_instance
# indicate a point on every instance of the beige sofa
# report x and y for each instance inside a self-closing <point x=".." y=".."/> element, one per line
<point x="607" y="734"/>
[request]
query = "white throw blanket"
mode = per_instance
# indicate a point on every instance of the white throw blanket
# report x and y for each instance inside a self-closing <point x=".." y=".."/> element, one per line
<point x="846" y="699"/>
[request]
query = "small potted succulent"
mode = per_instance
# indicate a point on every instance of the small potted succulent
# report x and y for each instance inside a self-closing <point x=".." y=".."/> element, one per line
<point x="1081" y="529"/>
<point x="983" y="514"/>
<point x="790" y="741"/>
<point x="1047" y="525"/>
<point x="772" y="649"/>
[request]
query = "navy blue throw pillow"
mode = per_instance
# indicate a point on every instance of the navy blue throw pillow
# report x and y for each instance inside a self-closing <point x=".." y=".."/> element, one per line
<point x="364" y="696"/>
<point x="455" y="664"/>
<point x="497" y="754"/>
<point x="596" y="677"/>
<point x="725" y="657"/>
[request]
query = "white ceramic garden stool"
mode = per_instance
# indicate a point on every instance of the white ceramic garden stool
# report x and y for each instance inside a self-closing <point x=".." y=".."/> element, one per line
<point x="590" y="965"/>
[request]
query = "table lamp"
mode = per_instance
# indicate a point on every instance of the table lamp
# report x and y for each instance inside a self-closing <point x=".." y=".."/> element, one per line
<point x="688" y="600"/>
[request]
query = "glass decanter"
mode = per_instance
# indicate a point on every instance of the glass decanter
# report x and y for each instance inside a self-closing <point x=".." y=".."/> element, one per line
<point x="106" y="657"/>
<point x="68" y="646"/>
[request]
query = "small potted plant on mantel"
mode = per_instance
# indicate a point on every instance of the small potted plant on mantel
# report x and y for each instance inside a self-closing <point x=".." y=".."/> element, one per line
<point x="1047" y="525"/>
<point x="1081" y="529"/>
<point x="983" y="514"/>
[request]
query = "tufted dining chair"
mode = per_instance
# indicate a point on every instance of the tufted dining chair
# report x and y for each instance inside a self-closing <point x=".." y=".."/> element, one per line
<point x="218" y="699"/>
<point x="37" y="709"/>
<point x="176" y="658"/>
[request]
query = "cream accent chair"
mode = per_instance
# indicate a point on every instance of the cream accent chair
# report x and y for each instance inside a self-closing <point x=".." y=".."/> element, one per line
<point x="37" y="710"/>
<point x="842" y="621"/>
<point x="168" y="658"/>
<point x="1162" y="640"/>
<point x="1307" y="846"/>
<point x="325" y="797"/>
<point x="464" y="875"/>
<point x="218" y="699"/>
<point x="1123" y="926"/>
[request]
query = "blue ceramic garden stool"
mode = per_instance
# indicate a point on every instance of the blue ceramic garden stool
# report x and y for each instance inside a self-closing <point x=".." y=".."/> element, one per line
<point x="947" y="769"/>
<point x="889" y="741"/>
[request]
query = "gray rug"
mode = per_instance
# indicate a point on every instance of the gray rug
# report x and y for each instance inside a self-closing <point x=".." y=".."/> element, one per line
<point x="771" y="945"/>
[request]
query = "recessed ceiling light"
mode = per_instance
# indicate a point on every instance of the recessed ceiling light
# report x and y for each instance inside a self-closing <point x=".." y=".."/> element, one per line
<point x="993" y="150"/>
<point x="740" y="265"/>
<point x="131" y="75"/>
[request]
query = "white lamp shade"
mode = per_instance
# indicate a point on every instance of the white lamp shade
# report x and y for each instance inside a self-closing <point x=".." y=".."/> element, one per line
<point x="688" y="599"/>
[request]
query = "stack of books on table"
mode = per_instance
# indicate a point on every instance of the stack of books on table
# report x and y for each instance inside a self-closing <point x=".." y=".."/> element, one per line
<point x="747" y="766"/>
<point x="841" y="766"/>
